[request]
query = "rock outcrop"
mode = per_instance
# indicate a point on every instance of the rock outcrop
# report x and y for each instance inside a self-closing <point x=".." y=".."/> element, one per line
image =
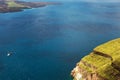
<point x="101" y="64"/>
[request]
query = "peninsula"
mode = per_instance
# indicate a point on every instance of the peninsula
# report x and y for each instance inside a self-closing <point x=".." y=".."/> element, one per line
<point x="15" y="6"/>
<point x="101" y="64"/>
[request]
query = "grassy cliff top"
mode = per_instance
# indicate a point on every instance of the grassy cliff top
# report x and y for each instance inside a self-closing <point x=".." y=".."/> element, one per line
<point x="96" y="60"/>
<point x="109" y="48"/>
<point x="99" y="62"/>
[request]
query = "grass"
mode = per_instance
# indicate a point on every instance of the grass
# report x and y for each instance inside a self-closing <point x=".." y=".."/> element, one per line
<point x="108" y="72"/>
<point x="95" y="63"/>
<point x="116" y="60"/>
<point x="110" y="48"/>
<point x="89" y="70"/>
<point x="96" y="60"/>
<point x="14" y="4"/>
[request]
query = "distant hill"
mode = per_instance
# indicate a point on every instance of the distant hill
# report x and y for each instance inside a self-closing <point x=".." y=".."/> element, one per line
<point x="8" y="0"/>
<point x="15" y="5"/>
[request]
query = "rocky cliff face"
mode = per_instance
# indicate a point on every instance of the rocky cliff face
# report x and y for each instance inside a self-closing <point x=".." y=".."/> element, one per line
<point x="101" y="64"/>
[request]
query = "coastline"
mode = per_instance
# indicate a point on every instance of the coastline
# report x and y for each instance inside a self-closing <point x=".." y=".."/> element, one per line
<point x="17" y="6"/>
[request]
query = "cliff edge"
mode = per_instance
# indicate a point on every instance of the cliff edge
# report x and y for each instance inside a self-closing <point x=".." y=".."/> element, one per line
<point x="101" y="64"/>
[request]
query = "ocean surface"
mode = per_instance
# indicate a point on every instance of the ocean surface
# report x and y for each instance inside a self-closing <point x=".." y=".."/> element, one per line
<point x="47" y="42"/>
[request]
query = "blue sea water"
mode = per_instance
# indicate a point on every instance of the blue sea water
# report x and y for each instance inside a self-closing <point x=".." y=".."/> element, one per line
<point x="47" y="42"/>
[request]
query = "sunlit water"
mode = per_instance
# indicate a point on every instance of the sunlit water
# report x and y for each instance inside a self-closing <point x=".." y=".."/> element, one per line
<point x="46" y="43"/>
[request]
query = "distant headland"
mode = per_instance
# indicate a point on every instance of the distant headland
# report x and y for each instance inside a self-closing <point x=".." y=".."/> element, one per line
<point x="16" y="6"/>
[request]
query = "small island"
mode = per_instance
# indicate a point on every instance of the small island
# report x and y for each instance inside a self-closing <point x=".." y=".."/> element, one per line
<point x="15" y="6"/>
<point x="103" y="63"/>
